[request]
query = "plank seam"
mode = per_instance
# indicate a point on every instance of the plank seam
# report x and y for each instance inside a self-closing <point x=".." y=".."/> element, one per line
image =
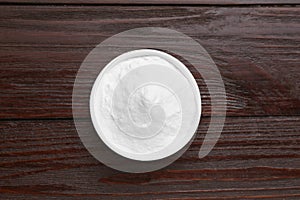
<point x="149" y="4"/>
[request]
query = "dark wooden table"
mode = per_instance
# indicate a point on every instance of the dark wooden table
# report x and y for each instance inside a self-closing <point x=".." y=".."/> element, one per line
<point x="256" y="45"/>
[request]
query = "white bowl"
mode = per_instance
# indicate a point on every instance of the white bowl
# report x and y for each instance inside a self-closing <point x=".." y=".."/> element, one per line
<point x="145" y="105"/>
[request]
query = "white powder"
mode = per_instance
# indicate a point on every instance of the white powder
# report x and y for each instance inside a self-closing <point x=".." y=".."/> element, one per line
<point x="138" y="104"/>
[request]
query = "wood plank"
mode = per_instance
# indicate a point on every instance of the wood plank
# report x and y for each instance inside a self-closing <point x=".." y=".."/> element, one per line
<point x="42" y="47"/>
<point x="159" y="2"/>
<point x="256" y="157"/>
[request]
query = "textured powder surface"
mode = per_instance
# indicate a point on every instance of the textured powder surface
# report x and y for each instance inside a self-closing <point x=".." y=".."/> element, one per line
<point x="139" y="115"/>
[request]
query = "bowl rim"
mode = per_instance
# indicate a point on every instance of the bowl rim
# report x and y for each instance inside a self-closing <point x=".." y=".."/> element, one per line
<point x="163" y="153"/>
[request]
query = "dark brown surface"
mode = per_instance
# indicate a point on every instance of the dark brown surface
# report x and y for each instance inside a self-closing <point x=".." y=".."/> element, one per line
<point x="256" y="49"/>
<point x="42" y="49"/>
<point x="160" y="2"/>
<point x="261" y="158"/>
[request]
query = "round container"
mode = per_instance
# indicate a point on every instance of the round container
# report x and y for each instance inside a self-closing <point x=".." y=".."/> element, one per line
<point x="145" y="105"/>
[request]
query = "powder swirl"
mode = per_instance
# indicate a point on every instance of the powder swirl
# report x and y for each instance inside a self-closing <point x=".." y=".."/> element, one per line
<point x="142" y="114"/>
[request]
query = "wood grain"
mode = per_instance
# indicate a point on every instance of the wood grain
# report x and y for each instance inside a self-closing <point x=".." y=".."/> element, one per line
<point x="159" y="2"/>
<point x="260" y="159"/>
<point x="42" y="47"/>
